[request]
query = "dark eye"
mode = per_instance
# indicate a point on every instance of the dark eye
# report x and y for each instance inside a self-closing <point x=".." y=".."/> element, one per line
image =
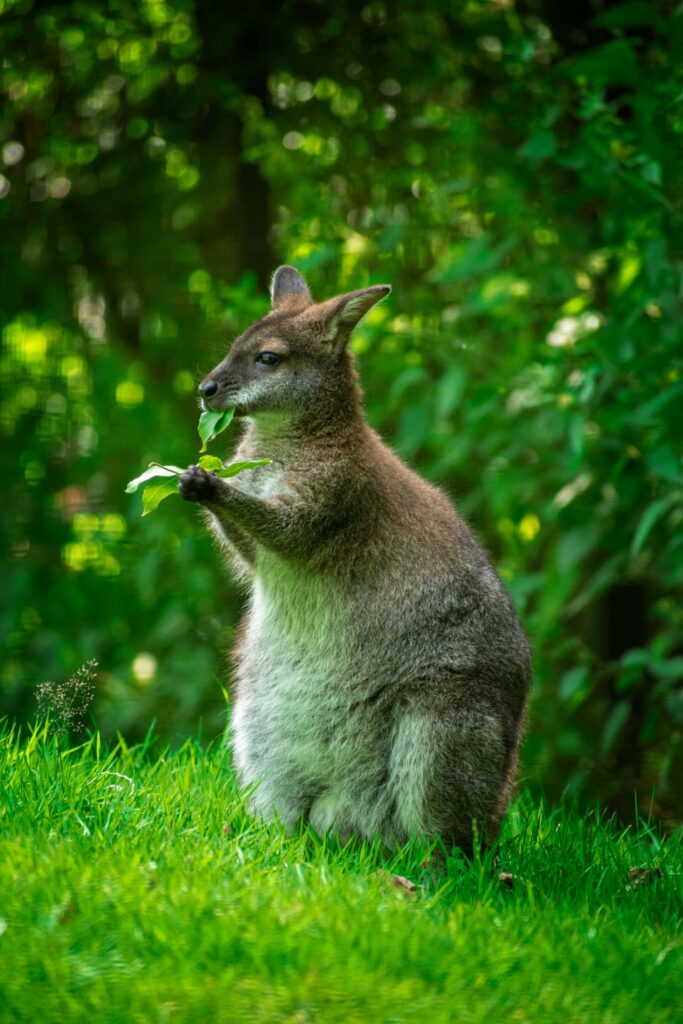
<point x="267" y="358"/>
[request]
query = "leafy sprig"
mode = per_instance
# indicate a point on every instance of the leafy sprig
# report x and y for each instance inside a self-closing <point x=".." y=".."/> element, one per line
<point x="160" y="481"/>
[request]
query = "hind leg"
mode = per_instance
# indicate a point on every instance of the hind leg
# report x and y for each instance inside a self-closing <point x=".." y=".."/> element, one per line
<point x="448" y="774"/>
<point x="365" y="811"/>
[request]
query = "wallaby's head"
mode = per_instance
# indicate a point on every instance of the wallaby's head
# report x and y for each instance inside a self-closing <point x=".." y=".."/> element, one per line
<point x="295" y="359"/>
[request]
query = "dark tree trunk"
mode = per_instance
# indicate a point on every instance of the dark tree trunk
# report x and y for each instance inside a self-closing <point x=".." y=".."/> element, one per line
<point x="236" y="230"/>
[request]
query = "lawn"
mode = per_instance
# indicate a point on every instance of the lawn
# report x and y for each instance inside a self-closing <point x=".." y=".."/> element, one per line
<point x="134" y="887"/>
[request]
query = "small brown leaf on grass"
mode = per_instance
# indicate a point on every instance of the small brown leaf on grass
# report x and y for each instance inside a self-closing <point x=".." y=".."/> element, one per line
<point x="506" y="879"/>
<point x="643" y="876"/>
<point x="227" y="828"/>
<point x="401" y="882"/>
<point x="404" y="883"/>
<point x="67" y="912"/>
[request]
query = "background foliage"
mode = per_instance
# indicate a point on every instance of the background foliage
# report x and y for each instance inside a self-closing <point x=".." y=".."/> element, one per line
<point x="513" y="169"/>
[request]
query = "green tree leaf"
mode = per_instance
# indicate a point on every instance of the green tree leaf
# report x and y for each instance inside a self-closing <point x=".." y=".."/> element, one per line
<point x="211" y="463"/>
<point x="149" y="474"/>
<point x="649" y="518"/>
<point x="573" y="680"/>
<point x="154" y="494"/>
<point x="539" y="146"/>
<point x="213" y="422"/>
<point x="239" y="467"/>
<point x="614" y="724"/>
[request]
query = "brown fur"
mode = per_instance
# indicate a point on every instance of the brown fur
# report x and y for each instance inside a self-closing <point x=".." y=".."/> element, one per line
<point x="379" y="639"/>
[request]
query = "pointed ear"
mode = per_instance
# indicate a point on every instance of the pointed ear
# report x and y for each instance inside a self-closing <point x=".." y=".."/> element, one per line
<point x="344" y="312"/>
<point x="288" y="290"/>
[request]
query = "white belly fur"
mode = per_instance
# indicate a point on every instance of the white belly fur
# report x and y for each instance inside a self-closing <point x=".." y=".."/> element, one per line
<point x="292" y="669"/>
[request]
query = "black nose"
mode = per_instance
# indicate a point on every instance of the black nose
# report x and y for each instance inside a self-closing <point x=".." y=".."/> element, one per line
<point x="208" y="388"/>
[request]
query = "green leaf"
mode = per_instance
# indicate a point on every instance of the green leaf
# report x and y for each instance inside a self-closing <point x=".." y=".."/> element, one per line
<point x="635" y="14"/>
<point x="615" y="723"/>
<point x="575" y="546"/>
<point x="154" y="470"/>
<point x="539" y="146"/>
<point x="631" y="668"/>
<point x="475" y="258"/>
<point x="239" y="467"/>
<point x="213" y="422"/>
<point x="207" y="424"/>
<point x="210" y="463"/>
<point x="449" y="391"/>
<point x="596" y="583"/>
<point x="577" y="435"/>
<point x="665" y="462"/>
<point x="572" y="681"/>
<point x="668" y="668"/>
<point x="652" y="172"/>
<point x="613" y="63"/>
<point x="648" y="519"/>
<point x="155" y="493"/>
<point x="651" y="410"/>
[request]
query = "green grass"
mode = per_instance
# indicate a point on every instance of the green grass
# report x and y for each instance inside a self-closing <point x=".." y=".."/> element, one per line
<point x="134" y="887"/>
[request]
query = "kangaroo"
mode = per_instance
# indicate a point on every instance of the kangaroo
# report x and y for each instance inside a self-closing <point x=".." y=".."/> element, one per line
<point x="381" y="673"/>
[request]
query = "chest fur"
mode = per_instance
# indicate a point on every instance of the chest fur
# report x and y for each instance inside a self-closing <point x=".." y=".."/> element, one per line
<point x="266" y="482"/>
<point x="296" y="626"/>
<point x="293" y="667"/>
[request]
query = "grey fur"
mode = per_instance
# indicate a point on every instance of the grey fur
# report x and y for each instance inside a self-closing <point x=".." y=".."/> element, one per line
<point x="381" y="673"/>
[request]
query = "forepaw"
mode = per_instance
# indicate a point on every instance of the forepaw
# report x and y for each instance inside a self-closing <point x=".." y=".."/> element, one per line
<point x="196" y="484"/>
